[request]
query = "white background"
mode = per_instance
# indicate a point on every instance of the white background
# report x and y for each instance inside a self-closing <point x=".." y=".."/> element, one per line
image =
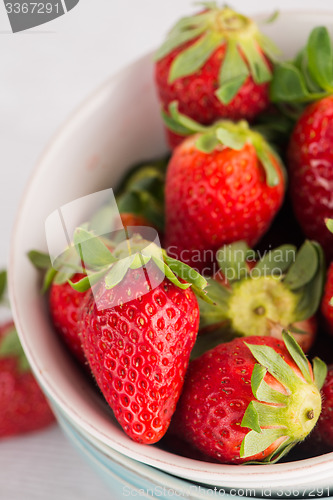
<point x="44" y="74"/>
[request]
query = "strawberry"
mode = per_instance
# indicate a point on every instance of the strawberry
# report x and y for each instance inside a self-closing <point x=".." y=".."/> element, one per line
<point x="139" y="324"/>
<point x="250" y="400"/>
<point x="279" y="290"/>
<point x="64" y="306"/>
<point x="64" y="302"/>
<point x="326" y="303"/>
<point x="310" y="164"/>
<point x="223" y="184"/>
<point x="142" y="192"/>
<point x="216" y="64"/>
<point x="321" y="439"/>
<point x="23" y="407"/>
<point x="308" y="81"/>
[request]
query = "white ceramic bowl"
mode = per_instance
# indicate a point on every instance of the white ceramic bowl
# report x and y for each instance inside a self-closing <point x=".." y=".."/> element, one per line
<point x="118" y="126"/>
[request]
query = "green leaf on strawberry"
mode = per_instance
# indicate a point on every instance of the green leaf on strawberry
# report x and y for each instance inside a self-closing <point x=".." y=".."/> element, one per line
<point x="133" y="253"/>
<point x="294" y="413"/>
<point x="319" y="372"/>
<point x="247" y="49"/>
<point x="225" y="133"/>
<point x="281" y="289"/>
<point x="10" y="346"/>
<point x="3" y="284"/>
<point x="329" y="224"/>
<point x="60" y="270"/>
<point x="308" y="77"/>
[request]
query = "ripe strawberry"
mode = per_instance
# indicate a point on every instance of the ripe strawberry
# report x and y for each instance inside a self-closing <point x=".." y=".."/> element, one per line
<point x="64" y="305"/>
<point x="281" y="289"/>
<point x="250" y="400"/>
<point x="326" y="303"/>
<point x="310" y="157"/>
<point x="138" y="328"/>
<point x="64" y="302"/>
<point x="321" y="439"/>
<point x="310" y="163"/>
<point x="23" y="407"/>
<point x="223" y="184"/>
<point x="216" y="64"/>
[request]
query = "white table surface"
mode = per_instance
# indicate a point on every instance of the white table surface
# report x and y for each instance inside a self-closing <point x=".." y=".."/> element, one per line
<point x="44" y="74"/>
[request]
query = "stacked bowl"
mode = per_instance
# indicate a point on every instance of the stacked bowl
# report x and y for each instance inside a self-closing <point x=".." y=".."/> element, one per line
<point x="118" y="126"/>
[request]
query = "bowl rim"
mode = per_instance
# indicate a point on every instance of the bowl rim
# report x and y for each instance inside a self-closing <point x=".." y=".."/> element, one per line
<point x="188" y="466"/>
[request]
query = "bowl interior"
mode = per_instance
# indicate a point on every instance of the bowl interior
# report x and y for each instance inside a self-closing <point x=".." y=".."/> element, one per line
<point x="116" y="127"/>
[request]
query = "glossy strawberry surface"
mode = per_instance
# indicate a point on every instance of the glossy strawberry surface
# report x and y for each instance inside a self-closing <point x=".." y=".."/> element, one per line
<point x="138" y="350"/>
<point x="23" y="406"/>
<point x="196" y="93"/>
<point x="64" y="306"/>
<point x="217" y="198"/>
<point x="310" y="163"/>
<point x="216" y="393"/>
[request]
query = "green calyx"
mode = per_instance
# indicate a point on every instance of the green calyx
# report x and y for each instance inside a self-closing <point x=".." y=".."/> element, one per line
<point x="306" y="78"/>
<point x="142" y="192"/>
<point x="99" y="258"/>
<point x="10" y="346"/>
<point x="329" y="224"/>
<point x="58" y="272"/>
<point x="228" y="134"/>
<point x="246" y="48"/>
<point x="256" y="304"/>
<point x="133" y="253"/>
<point x="3" y="285"/>
<point x="286" y="413"/>
<point x="278" y="288"/>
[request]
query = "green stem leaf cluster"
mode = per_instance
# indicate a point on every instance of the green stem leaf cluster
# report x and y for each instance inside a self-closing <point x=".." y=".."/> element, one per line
<point x="245" y="53"/>
<point x="283" y="417"/>
<point x="308" y="77"/>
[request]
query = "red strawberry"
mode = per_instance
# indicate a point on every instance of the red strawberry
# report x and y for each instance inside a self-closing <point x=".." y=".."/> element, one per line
<point x="223" y="184"/>
<point x="64" y="305"/>
<point x="23" y="407"/>
<point x="216" y="64"/>
<point x="138" y="329"/>
<point x="281" y="289"/>
<point x="306" y="80"/>
<point x="321" y="439"/>
<point x="65" y="302"/>
<point x="310" y="162"/>
<point x="249" y="400"/>
<point x="326" y="306"/>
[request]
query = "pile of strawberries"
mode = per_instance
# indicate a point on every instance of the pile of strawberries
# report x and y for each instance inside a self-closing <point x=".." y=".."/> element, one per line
<point x="203" y="341"/>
